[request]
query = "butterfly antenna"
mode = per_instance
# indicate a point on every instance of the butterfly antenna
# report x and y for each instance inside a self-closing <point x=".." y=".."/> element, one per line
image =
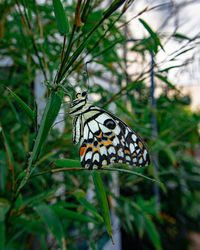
<point x="59" y="122"/>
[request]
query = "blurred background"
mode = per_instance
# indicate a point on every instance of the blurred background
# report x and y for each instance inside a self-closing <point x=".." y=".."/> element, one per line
<point x="143" y="66"/>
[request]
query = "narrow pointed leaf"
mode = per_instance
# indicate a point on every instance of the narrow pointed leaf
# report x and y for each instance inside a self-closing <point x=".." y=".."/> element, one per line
<point x="50" y="113"/>
<point x="65" y="163"/>
<point x="9" y="159"/>
<point x="137" y="174"/>
<point x="52" y="221"/>
<point x="103" y="203"/>
<point x="72" y="215"/>
<point x="164" y="79"/>
<point x="152" y="233"/>
<point x="80" y="196"/>
<point x="49" y="116"/>
<point x="153" y="35"/>
<point x="4" y="206"/>
<point x="61" y="18"/>
<point x="29" y="112"/>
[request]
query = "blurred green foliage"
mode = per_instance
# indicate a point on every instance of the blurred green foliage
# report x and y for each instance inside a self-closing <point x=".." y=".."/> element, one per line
<point x="41" y="206"/>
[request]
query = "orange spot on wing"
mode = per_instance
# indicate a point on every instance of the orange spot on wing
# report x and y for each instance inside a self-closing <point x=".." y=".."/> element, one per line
<point x="82" y="151"/>
<point x="99" y="135"/>
<point x="106" y="143"/>
<point x="127" y="152"/>
<point x="140" y="145"/>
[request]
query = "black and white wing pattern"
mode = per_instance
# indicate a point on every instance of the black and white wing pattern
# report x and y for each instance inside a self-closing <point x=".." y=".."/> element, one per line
<point x="104" y="138"/>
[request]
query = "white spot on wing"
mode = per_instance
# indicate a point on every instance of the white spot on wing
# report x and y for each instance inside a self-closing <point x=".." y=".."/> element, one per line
<point x="120" y="152"/>
<point x="101" y="118"/>
<point x="115" y="141"/>
<point x="93" y="125"/>
<point x="104" y="129"/>
<point x="134" y="137"/>
<point x="134" y="160"/>
<point x="111" y="150"/>
<point x="128" y="158"/>
<point x="145" y="154"/>
<point x="86" y="132"/>
<point x="112" y="159"/>
<point x="103" y="150"/>
<point x="87" y="165"/>
<point x="90" y="135"/>
<point x="116" y="130"/>
<point x="88" y="156"/>
<point x="104" y="162"/>
<point x="96" y="157"/>
<point x="140" y="161"/>
<point x="132" y="148"/>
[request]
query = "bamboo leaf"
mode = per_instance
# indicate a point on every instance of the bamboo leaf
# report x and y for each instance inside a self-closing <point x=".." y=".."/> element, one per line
<point x="181" y="36"/>
<point x="50" y="113"/>
<point x="52" y="221"/>
<point x="114" y="6"/>
<point x="29" y="112"/>
<point x="137" y="174"/>
<point x="153" y="35"/>
<point x="65" y="163"/>
<point x="64" y="68"/>
<point x="103" y="203"/>
<point x="71" y="215"/>
<point x="9" y="158"/>
<point x="49" y="116"/>
<point x="164" y="79"/>
<point x="80" y="196"/>
<point x="4" y="206"/>
<point x="152" y="233"/>
<point x="61" y="18"/>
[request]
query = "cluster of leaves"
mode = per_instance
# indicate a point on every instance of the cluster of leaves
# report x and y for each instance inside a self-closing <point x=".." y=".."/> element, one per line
<point x="29" y="167"/>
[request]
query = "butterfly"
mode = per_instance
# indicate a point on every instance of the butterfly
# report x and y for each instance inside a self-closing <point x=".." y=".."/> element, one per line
<point x="104" y="138"/>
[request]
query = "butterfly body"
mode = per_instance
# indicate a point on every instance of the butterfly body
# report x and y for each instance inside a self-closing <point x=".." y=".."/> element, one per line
<point x="104" y="138"/>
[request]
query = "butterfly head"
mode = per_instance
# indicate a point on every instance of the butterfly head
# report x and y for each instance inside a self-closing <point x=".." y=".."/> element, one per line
<point x="78" y="103"/>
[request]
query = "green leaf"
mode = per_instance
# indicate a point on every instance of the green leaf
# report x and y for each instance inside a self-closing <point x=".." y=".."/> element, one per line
<point x="137" y="174"/>
<point x="153" y="35"/>
<point x="35" y="199"/>
<point x="29" y="112"/>
<point x="181" y="36"/>
<point x="114" y="6"/>
<point x="103" y="203"/>
<point x="164" y="79"/>
<point x="4" y="206"/>
<point x="66" y="65"/>
<point x="51" y="111"/>
<point x="2" y="233"/>
<point x="9" y="159"/>
<point x="52" y="221"/>
<point x="153" y="233"/>
<point x="71" y="215"/>
<point x="61" y="18"/>
<point x="9" y="154"/>
<point x="3" y="172"/>
<point x="80" y="196"/>
<point x="67" y="163"/>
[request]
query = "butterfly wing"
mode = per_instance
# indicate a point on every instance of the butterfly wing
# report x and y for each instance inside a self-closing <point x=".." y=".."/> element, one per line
<point x="106" y="139"/>
<point x="76" y="130"/>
